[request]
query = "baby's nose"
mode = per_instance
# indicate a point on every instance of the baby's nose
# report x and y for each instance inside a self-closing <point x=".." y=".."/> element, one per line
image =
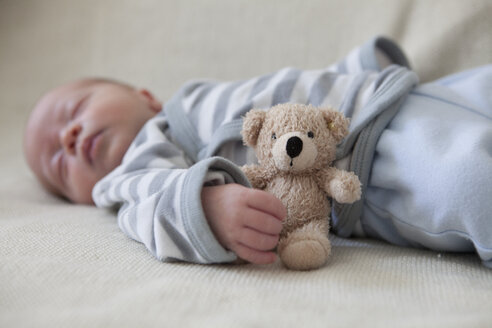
<point x="68" y="138"/>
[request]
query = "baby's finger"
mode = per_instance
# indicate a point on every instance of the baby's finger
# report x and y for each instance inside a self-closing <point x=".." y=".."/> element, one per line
<point x="257" y="240"/>
<point x="254" y="256"/>
<point x="266" y="202"/>
<point x="262" y="222"/>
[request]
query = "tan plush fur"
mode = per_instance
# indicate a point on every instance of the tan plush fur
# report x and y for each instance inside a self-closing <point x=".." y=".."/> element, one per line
<point x="295" y="145"/>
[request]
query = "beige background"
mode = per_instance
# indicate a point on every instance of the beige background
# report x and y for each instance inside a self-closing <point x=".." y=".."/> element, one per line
<point x="67" y="266"/>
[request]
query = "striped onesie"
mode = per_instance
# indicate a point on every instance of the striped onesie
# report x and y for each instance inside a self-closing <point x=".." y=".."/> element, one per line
<point x="195" y="141"/>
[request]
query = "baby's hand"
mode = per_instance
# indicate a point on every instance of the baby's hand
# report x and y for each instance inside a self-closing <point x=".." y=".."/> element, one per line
<point x="245" y="221"/>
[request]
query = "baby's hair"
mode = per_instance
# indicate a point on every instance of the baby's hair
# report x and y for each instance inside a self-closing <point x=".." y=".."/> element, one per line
<point x="107" y="80"/>
<point x="93" y="80"/>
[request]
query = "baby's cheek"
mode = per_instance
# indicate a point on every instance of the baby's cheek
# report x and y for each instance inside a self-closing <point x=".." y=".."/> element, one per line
<point x="80" y="185"/>
<point x="113" y="155"/>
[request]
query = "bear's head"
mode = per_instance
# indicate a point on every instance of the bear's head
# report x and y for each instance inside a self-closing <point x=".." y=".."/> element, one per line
<point x="294" y="138"/>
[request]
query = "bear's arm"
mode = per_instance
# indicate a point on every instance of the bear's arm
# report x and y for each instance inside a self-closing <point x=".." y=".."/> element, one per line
<point x="257" y="175"/>
<point x="341" y="185"/>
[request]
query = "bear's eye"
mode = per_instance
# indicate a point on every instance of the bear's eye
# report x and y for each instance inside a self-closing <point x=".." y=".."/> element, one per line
<point x="311" y="134"/>
<point x="274" y="136"/>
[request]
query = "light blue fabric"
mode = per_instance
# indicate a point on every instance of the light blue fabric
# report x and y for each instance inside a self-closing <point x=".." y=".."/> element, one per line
<point x="431" y="180"/>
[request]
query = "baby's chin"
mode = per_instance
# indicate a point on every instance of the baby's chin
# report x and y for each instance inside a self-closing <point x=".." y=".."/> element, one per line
<point x="82" y="192"/>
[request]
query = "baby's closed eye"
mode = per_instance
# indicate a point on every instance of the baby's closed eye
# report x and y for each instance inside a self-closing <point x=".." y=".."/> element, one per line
<point x="77" y="107"/>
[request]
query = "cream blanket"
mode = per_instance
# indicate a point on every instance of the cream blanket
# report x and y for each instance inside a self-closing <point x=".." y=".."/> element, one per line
<point x="70" y="266"/>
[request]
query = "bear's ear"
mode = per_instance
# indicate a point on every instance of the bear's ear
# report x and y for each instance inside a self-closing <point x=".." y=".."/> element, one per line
<point x="337" y="123"/>
<point x="252" y="123"/>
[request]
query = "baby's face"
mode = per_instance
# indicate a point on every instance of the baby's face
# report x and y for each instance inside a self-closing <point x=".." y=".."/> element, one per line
<point x="79" y="132"/>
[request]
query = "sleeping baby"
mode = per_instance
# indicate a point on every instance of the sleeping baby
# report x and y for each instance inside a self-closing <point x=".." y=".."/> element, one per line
<point x="423" y="153"/>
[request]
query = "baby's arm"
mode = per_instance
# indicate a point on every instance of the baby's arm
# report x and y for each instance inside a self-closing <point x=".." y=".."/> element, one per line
<point x="158" y="192"/>
<point x="245" y="221"/>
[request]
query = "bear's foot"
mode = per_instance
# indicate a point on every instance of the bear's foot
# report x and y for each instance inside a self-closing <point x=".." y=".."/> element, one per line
<point x="304" y="250"/>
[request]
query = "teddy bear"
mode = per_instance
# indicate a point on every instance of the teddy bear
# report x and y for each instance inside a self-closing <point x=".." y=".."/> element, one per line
<point x="295" y="145"/>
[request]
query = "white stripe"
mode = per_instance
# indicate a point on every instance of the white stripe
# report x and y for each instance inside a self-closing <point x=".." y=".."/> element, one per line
<point x="363" y="96"/>
<point x="177" y="211"/>
<point x="173" y="176"/>
<point x="115" y="182"/>
<point x="238" y="98"/>
<point x="177" y="203"/>
<point x="164" y="244"/>
<point x="263" y="100"/>
<point x="153" y="129"/>
<point x="124" y="223"/>
<point x="133" y="156"/>
<point x="205" y="124"/>
<point x="190" y="99"/>
<point x="353" y="61"/>
<point x="333" y="68"/>
<point x="153" y="136"/>
<point x="167" y="163"/>
<point x="125" y="190"/>
<point x="303" y="86"/>
<point x="144" y="184"/>
<point x="338" y="91"/>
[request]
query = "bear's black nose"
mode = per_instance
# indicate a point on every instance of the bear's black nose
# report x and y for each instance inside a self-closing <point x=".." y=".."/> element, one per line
<point x="294" y="147"/>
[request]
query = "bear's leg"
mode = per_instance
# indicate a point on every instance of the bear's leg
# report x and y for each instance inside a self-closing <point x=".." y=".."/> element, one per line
<point x="305" y="248"/>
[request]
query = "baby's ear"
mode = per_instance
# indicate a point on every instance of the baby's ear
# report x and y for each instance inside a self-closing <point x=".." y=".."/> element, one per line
<point x="337" y="123"/>
<point x="154" y="104"/>
<point x="252" y="123"/>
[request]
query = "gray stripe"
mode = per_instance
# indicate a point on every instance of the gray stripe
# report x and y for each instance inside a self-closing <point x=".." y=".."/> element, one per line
<point x="368" y="58"/>
<point x="160" y="150"/>
<point x="117" y="192"/>
<point x="383" y="76"/>
<point x="321" y="88"/>
<point x="106" y="199"/>
<point x="196" y="113"/>
<point x="283" y="90"/>
<point x="393" y="51"/>
<point x="158" y="181"/>
<point x="259" y="86"/>
<point x="223" y="103"/>
<point x="133" y="223"/>
<point x="131" y="220"/>
<point x="119" y="186"/>
<point x="161" y="122"/>
<point x="182" y="131"/>
<point x="240" y="153"/>
<point x="141" y="138"/>
<point x="180" y="241"/>
<point x="166" y="217"/>
<point x="348" y="103"/>
<point x="133" y="188"/>
<point x="226" y="132"/>
<point x="342" y="66"/>
<point x="102" y="189"/>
